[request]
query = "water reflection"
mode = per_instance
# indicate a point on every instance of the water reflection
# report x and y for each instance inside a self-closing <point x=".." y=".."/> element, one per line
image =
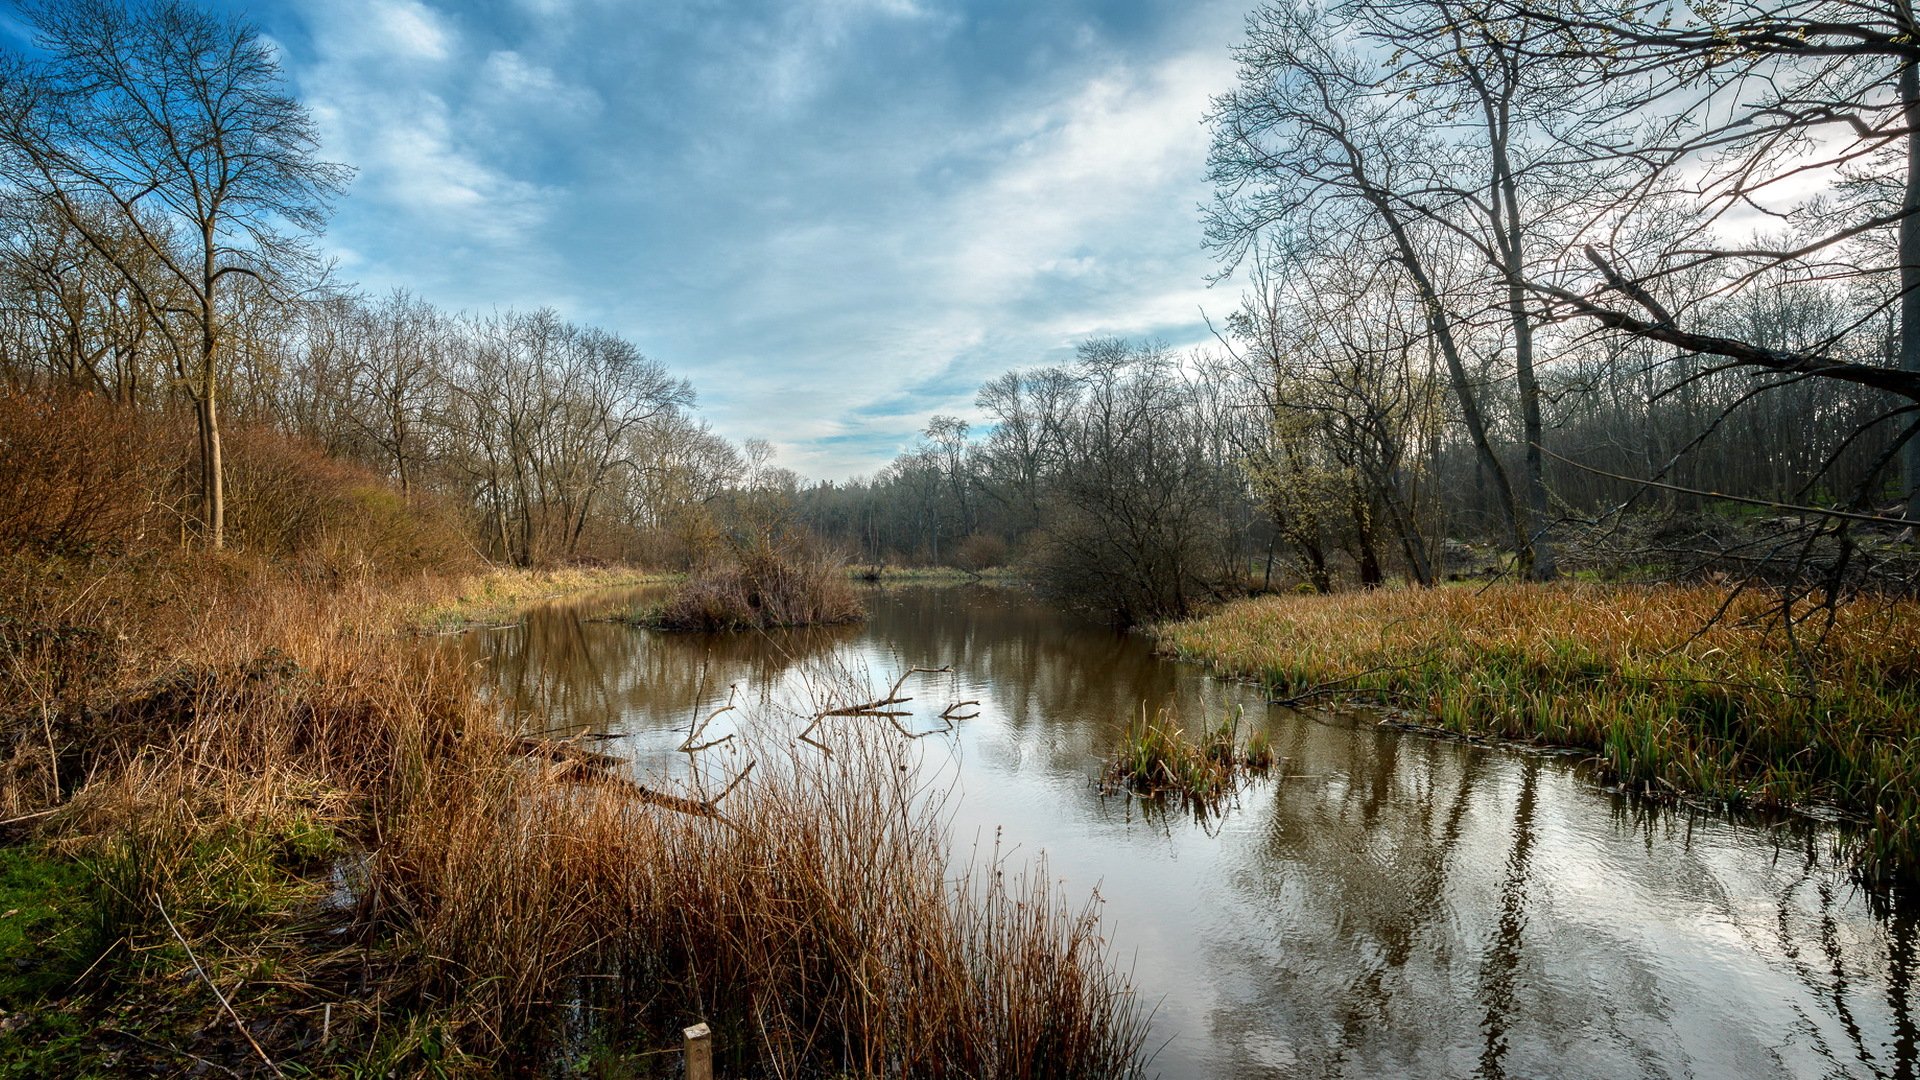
<point x="1388" y="905"/>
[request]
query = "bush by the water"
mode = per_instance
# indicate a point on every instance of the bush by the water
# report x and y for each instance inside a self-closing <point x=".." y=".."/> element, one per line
<point x="764" y="587"/>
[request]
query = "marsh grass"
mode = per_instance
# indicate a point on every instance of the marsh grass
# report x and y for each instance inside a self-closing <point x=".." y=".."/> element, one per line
<point x="291" y="731"/>
<point x="497" y="596"/>
<point x="1673" y="695"/>
<point x="1159" y="757"/>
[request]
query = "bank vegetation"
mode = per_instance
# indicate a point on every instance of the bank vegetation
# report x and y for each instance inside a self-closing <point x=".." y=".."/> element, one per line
<point x="1676" y="691"/>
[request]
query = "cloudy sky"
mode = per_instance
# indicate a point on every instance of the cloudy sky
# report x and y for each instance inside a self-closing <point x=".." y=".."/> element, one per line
<point x="835" y="217"/>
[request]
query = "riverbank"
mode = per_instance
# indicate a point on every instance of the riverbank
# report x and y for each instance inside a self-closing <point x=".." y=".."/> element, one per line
<point x="1674" y="696"/>
<point x="497" y="596"/>
<point x="253" y="821"/>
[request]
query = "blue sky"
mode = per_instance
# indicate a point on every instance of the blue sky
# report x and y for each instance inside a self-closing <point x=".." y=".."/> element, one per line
<point x="835" y="218"/>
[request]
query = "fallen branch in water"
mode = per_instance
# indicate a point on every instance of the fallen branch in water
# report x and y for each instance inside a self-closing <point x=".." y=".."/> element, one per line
<point x="882" y="707"/>
<point x="687" y="745"/>
<point x="588" y="766"/>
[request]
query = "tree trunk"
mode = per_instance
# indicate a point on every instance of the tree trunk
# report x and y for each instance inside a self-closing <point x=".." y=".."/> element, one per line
<point x="1910" y="269"/>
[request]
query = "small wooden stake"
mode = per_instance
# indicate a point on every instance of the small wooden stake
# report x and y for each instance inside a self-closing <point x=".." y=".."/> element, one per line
<point x="698" y="1052"/>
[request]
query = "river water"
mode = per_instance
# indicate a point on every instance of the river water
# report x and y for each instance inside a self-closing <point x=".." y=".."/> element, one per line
<point x="1388" y="904"/>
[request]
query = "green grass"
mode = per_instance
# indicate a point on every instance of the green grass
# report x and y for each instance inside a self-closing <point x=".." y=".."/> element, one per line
<point x="1159" y="757"/>
<point x="46" y="911"/>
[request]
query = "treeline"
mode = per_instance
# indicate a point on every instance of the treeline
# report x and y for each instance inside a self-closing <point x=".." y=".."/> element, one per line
<point x="1504" y="281"/>
<point x="1140" y="482"/>
<point x="159" y="197"/>
<point x="1627" y="254"/>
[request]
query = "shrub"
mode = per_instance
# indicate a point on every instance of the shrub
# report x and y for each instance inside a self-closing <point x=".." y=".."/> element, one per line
<point x="766" y="586"/>
<point x="78" y="476"/>
<point x="980" y="551"/>
<point x="288" y="500"/>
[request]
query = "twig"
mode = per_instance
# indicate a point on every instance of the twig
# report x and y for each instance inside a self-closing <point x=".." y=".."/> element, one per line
<point x="693" y="733"/>
<point x="30" y="817"/>
<point x="1845" y="515"/>
<point x="224" y="1003"/>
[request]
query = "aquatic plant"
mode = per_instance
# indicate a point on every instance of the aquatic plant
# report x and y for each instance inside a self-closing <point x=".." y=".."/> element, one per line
<point x="1159" y="757"/>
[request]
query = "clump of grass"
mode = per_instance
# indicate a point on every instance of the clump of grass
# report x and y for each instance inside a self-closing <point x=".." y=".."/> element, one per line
<point x="1672" y="693"/>
<point x="1159" y="757"/>
<point x="761" y="588"/>
<point x="498" y="595"/>
<point x="816" y="925"/>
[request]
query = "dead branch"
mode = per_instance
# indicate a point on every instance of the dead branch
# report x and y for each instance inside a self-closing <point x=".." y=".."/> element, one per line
<point x="687" y="745"/>
<point x="951" y="714"/>
<point x="587" y="766"/>
<point x="881" y="707"/>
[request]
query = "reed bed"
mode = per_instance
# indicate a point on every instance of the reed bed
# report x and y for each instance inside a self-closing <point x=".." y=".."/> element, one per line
<point x="1159" y="757"/>
<point x="1679" y="691"/>
<point x="333" y="828"/>
<point x="816" y="925"/>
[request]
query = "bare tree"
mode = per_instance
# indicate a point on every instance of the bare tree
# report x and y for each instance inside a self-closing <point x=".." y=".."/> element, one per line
<point x="174" y="121"/>
<point x="1307" y="147"/>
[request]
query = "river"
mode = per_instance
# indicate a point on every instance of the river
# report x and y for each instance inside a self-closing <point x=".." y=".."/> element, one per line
<point x="1386" y="904"/>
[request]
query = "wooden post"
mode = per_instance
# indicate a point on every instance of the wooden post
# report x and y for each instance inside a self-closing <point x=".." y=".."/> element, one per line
<point x="698" y="1052"/>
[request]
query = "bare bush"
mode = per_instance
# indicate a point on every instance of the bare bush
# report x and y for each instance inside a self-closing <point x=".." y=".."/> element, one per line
<point x="786" y="583"/>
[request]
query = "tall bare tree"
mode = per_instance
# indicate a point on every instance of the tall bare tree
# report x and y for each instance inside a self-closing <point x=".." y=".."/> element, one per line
<point x="174" y="121"/>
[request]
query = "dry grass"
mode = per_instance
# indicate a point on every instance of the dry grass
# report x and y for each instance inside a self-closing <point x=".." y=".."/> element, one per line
<point x="1159" y="757"/>
<point x="497" y="595"/>
<point x="762" y="588"/>
<point x="287" y="729"/>
<point x="815" y="925"/>
<point x="1741" y="708"/>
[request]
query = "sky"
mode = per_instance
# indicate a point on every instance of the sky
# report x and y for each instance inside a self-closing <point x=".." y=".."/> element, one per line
<point x="835" y="218"/>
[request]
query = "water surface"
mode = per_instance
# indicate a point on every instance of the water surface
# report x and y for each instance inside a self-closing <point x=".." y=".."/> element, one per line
<point x="1389" y="905"/>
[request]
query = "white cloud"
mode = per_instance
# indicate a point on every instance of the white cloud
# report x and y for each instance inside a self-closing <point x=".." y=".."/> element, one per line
<point x="509" y="78"/>
<point x="391" y="30"/>
<point x="1124" y="152"/>
<point x="1080" y="222"/>
<point x="380" y="92"/>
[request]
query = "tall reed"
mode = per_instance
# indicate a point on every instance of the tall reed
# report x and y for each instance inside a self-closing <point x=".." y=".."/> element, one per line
<point x="818" y="925"/>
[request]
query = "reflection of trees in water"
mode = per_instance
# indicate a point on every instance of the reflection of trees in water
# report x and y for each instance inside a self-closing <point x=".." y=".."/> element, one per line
<point x="558" y="671"/>
<point x="1413" y="875"/>
<point x="1074" y="683"/>
<point x="1501" y="969"/>
<point x="1808" y="932"/>
<point x="1407" y="873"/>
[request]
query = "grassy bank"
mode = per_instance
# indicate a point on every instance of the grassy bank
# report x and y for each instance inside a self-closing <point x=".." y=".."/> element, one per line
<point x="497" y="595"/>
<point x="1672" y="700"/>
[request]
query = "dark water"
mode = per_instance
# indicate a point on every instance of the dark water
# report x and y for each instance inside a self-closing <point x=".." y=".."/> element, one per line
<point x="1391" y="905"/>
